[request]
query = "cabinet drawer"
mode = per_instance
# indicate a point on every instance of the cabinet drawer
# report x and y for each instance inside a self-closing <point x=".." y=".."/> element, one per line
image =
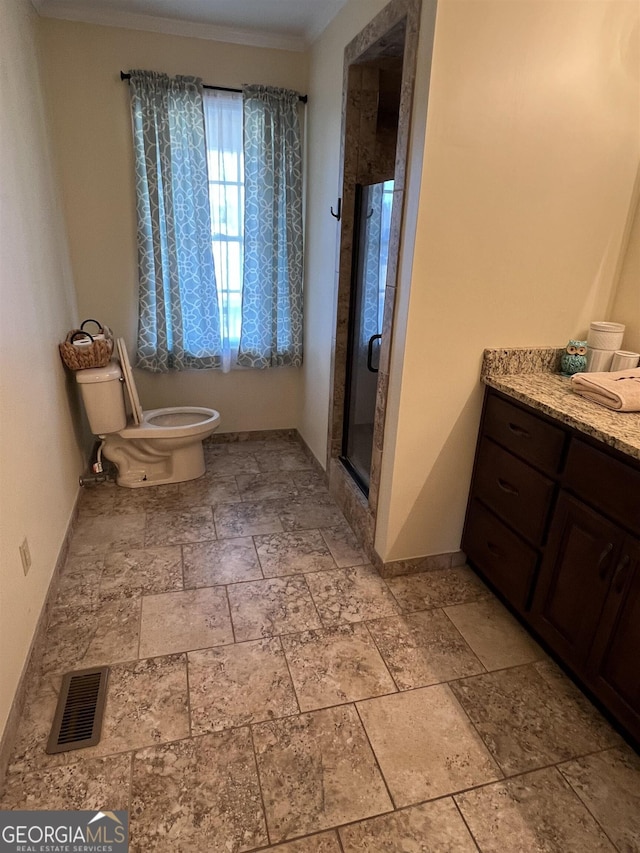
<point x="499" y="554"/>
<point x="515" y="491"/>
<point x="526" y="435"/>
<point x="605" y="483"/>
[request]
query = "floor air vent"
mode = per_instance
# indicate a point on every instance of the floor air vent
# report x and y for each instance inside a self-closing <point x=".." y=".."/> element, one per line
<point x="78" y="719"/>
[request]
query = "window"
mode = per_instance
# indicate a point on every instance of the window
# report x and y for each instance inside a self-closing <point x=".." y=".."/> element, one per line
<point x="223" y="125"/>
<point x="219" y="225"/>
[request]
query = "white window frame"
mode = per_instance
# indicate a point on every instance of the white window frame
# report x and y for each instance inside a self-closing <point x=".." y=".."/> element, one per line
<point x="223" y="125"/>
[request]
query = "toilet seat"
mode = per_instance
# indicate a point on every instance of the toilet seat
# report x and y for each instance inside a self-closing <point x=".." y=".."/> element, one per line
<point x="129" y="382"/>
<point x="172" y="422"/>
<point x="169" y="422"/>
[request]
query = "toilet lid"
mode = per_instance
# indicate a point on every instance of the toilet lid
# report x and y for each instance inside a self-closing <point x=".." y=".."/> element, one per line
<point x="127" y="373"/>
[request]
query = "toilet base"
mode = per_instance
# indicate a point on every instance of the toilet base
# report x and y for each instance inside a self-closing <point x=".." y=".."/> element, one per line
<point x="141" y="464"/>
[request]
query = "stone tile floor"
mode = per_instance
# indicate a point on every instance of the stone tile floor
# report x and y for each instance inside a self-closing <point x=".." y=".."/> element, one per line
<point x="267" y="687"/>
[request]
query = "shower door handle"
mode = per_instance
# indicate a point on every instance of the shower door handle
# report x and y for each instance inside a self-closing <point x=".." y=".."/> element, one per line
<point x="372" y="340"/>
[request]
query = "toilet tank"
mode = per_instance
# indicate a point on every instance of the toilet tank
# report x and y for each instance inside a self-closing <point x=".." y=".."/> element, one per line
<point x="103" y="398"/>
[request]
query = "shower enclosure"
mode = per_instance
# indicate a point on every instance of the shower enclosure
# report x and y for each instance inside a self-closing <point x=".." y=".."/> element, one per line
<point x="373" y="206"/>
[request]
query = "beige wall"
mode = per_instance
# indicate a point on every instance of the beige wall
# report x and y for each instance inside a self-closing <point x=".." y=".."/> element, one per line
<point x="626" y="301"/>
<point x="40" y="458"/>
<point x="92" y="139"/>
<point x="531" y="151"/>
<point x="324" y="114"/>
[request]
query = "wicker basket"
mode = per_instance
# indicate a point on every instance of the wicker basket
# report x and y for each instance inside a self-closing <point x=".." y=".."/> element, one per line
<point x="96" y="352"/>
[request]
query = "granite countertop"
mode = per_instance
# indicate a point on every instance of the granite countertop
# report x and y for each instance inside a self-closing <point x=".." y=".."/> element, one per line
<point x="529" y="375"/>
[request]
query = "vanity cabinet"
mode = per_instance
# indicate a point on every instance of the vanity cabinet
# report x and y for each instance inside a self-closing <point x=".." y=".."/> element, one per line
<point x="552" y="523"/>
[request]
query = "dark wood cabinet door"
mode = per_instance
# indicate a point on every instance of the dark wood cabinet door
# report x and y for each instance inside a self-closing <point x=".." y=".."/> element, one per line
<point x="614" y="663"/>
<point x="574" y="579"/>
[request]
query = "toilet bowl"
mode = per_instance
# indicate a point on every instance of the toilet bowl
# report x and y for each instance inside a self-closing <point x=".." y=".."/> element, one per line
<point x="151" y="448"/>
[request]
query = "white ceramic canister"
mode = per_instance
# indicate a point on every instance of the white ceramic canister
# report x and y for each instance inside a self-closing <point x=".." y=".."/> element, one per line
<point x="623" y="360"/>
<point x="599" y="360"/>
<point x="605" y="336"/>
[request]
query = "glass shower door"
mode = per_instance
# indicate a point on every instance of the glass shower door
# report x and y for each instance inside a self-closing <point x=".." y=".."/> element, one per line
<point x="372" y="226"/>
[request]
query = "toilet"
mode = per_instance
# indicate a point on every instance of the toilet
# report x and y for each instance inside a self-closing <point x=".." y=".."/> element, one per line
<point x="152" y="448"/>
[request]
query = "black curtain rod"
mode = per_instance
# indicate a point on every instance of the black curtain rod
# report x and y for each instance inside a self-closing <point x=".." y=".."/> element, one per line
<point x="302" y="98"/>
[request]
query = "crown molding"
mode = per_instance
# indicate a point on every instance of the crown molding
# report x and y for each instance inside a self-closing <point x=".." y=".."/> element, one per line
<point x="170" y="26"/>
<point x="320" y="24"/>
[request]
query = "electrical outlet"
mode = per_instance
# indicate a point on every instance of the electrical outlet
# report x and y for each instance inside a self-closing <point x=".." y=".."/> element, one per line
<point x="25" y="556"/>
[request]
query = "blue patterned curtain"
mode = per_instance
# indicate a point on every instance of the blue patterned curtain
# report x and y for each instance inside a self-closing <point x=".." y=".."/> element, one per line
<point x="179" y="323"/>
<point x="371" y="244"/>
<point x="272" y="284"/>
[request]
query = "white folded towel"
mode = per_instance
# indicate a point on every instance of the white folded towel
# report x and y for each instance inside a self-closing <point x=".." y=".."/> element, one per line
<point x="619" y="390"/>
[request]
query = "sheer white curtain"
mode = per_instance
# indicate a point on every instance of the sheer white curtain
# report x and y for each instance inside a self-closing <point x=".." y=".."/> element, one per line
<point x="225" y="159"/>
